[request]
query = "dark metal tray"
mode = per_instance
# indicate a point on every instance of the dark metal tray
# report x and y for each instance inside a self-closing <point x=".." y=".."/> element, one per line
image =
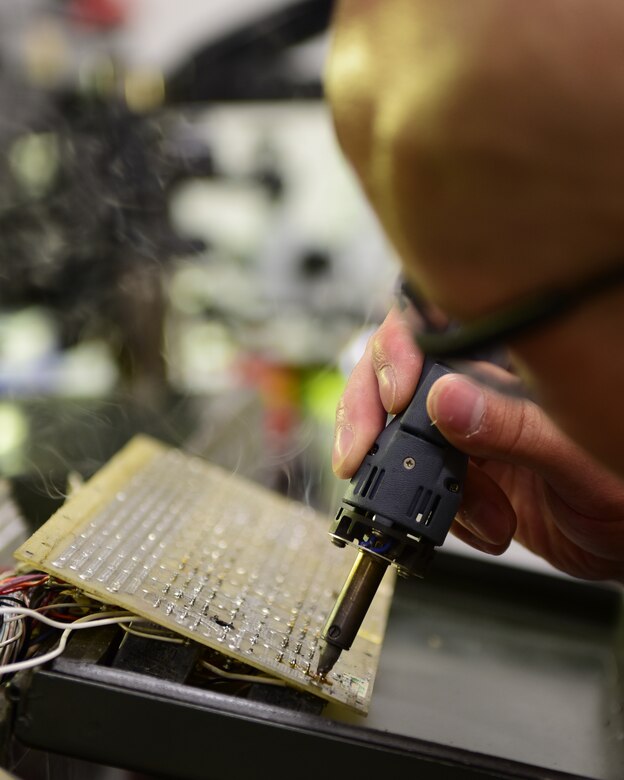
<point x="486" y="671"/>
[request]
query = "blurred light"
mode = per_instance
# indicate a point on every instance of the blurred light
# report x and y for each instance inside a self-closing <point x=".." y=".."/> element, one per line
<point x="321" y="392"/>
<point x="46" y="53"/>
<point x="206" y="357"/>
<point x="98" y="77"/>
<point x="88" y="370"/>
<point x="98" y="13"/>
<point x="26" y="337"/>
<point x="34" y="161"/>
<point x="230" y="215"/>
<point x="144" y="90"/>
<point x="189" y="289"/>
<point x="13" y="428"/>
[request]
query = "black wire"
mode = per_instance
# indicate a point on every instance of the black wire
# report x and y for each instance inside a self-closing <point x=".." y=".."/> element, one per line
<point x="43" y="636"/>
<point x="34" y="601"/>
<point x="14" y="599"/>
<point x="517" y="319"/>
<point x="37" y="596"/>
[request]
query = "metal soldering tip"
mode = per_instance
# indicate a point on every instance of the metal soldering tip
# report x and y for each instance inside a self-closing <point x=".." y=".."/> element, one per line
<point x="329" y="655"/>
<point x="346" y="617"/>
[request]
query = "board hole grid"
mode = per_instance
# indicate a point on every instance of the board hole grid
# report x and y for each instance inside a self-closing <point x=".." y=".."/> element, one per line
<point x="216" y="558"/>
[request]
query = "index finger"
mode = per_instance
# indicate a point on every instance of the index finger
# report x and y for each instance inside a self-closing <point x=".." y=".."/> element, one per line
<point x="383" y="381"/>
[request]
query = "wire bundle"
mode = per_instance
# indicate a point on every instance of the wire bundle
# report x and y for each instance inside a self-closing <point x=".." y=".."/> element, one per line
<point x="11" y="634"/>
<point x="24" y="598"/>
<point x="15" y="591"/>
<point x="33" y="606"/>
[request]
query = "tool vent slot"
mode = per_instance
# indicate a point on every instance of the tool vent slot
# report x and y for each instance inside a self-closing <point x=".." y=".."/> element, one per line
<point x="422" y="507"/>
<point x="360" y="483"/>
<point x="432" y="510"/>
<point x="377" y="483"/>
<point x="369" y="484"/>
<point x="369" y="481"/>
<point x="414" y="502"/>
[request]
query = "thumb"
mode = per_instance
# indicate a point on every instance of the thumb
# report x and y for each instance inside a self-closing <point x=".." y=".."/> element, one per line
<point x="486" y="424"/>
<point x="494" y="427"/>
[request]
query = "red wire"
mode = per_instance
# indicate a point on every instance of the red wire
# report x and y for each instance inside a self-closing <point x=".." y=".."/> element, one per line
<point x="27" y="575"/>
<point x="19" y="583"/>
<point x="62" y="616"/>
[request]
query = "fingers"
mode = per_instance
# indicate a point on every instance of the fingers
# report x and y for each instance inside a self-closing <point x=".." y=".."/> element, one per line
<point x="488" y="425"/>
<point x="485" y="424"/>
<point x="359" y="418"/>
<point x="486" y="519"/>
<point x="396" y="362"/>
<point x="382" y="382"/>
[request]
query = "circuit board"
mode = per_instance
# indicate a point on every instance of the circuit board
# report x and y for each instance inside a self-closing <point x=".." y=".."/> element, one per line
<point x="216" y="558"/>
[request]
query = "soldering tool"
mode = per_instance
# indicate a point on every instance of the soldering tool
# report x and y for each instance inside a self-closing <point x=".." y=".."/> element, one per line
<point x="397" y="509"/>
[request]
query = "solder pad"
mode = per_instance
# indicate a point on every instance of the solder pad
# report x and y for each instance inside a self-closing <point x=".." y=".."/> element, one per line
<point x="216" y="558"/>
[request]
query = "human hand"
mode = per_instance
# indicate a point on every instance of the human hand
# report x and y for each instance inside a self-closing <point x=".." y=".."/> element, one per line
<point x="526" y="479"/>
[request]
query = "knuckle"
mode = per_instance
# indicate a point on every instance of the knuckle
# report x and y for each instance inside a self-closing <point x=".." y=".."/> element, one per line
<point x="379" y="353"/>
<point x="341" y="412"/>
<point x="521" y="430"/>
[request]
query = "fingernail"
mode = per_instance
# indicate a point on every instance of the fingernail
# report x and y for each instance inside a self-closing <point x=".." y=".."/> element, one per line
<point x="457" y="404"/>
<point x="387" y="386"/>
<point x="343" y="444"/>
<point x="483" y="520"/>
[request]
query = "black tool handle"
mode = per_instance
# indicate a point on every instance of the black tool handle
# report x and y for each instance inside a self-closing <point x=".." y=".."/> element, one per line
<point x="412" y="479"/>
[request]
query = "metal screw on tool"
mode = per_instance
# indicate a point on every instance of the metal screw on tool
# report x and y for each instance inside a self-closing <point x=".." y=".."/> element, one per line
<point x="334" y="632"/>
<point x="409" y="463"/>
<point x="453" y="487"/>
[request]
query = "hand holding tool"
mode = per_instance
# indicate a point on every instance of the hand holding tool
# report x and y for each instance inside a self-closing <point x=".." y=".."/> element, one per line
<point x="397" y="509"/>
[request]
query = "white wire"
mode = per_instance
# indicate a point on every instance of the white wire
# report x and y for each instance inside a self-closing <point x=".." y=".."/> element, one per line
<point x="64" y="605"/>
<point x="26" y="612"/>
<point x="12" y="632"/>
<point x="15" y="637"/>
<point x="242" y="677"/>
<point x="12" y="637"/>
<point x="93" y="620"/>
<point x="153" y="635"/>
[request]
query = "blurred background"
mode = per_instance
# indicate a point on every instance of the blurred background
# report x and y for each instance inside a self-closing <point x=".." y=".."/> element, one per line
<point x="184" y="253"/>
<point x="182" y="250"/>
